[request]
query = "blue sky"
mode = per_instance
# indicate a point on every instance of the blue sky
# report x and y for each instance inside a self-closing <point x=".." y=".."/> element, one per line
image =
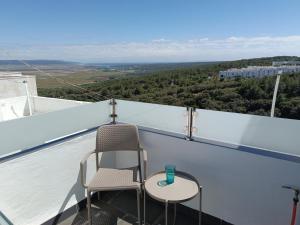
<point x="153" y="30"/>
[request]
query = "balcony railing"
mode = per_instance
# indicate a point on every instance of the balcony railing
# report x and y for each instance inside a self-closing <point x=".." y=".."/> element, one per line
<point x="241" y="131"/>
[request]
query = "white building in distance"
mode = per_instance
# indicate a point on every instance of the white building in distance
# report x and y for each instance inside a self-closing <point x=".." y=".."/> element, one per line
<point x="260" y="71"/>
<point x="286" y="63"/>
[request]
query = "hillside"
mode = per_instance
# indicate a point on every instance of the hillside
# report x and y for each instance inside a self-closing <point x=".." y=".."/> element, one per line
<point x="199" y="86"/>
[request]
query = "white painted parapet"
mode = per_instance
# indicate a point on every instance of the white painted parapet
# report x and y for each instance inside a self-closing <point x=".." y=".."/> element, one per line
<point x="14" y="86"/>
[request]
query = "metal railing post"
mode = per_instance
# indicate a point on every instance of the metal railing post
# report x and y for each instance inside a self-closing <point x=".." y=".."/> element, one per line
<point x="190" y="120"/>
<point x="113" y="115"/>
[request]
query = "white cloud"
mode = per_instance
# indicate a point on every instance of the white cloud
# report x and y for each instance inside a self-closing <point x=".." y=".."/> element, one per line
<point x="161" y="50"/>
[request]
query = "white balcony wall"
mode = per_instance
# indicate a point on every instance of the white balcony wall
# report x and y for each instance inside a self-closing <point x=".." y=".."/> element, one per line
<point x="272" y="134"/>
<point x="238" y="187"/>
<point x="38" y="186"/>
<point x="27" y="132"/>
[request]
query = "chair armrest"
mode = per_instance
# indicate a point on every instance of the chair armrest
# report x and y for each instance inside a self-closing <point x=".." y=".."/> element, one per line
<point x="83" y="165"/>
<point x="145" y="160"/>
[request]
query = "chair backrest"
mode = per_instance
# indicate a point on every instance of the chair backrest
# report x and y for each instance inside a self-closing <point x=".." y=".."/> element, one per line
<point x="117" y="137"/>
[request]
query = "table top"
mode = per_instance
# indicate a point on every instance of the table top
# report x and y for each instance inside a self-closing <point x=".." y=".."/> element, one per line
<point x="183" y="189"/>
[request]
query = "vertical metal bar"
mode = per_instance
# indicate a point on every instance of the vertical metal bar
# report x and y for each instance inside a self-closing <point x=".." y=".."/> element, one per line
<point x="144" y="203"/>
<point x="114" y="110"/>
<point x="113" y="114"/>
<point x="97" y="168"/>
<point x="166" y="212"/>
<point x="200" y="206"/>
<point x="97" y="161"/>
<point x="138" y="206"/>
<point x="89" y="207"/>
<point x="187" y="121"/>
<point x="139" y="165"/>
<point x="190" y="123"/>
<point x="175" y="213"/>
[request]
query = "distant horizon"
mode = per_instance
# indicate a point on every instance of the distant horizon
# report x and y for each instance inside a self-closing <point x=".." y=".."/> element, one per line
<point x="82" y="62"/>
<point x="157" y="62"/>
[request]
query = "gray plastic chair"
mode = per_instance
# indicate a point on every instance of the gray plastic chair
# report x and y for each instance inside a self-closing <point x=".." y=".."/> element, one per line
<point x="118" y="137"/>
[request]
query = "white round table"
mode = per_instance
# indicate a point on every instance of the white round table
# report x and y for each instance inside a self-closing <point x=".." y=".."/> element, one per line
<point x="184" y="188"/>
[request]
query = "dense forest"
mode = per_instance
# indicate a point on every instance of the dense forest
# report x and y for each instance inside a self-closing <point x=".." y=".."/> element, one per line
<point x="199" y="86"/>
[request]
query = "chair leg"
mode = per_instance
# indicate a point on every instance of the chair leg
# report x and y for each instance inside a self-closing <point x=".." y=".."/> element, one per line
<point x="144" y="199"/>
<point x="89" y="207"/>
<point x="138" y="195"/>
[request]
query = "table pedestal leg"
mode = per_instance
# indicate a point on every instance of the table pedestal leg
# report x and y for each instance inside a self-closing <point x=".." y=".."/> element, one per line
<point x="175" y="212"/>
<point x="200" y="206"/>
<point x="166" y="213"/>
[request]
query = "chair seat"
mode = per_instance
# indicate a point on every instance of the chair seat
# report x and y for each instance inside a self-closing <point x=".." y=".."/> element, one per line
<point x="113" y="179"/>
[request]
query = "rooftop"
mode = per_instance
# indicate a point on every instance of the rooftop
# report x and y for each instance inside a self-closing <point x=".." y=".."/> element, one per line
<point x="19" y="97"/>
